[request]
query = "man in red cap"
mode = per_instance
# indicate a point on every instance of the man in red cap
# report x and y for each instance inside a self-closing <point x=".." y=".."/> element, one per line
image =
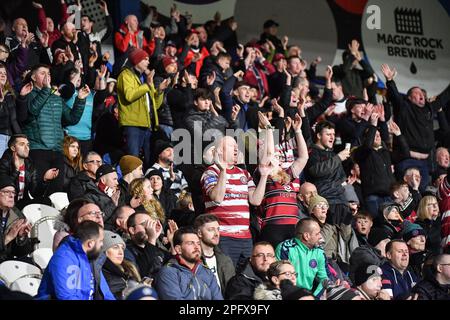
<point x="138" y="103"/>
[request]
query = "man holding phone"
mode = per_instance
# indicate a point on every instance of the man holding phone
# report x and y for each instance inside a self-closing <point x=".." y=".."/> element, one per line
<point x="324" y="169"/>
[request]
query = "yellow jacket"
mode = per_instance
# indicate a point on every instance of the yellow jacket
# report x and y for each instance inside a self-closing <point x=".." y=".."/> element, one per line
<point x="133" y="109"/>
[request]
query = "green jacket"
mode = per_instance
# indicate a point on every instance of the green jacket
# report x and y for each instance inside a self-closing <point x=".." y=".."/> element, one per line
<point x="309" y="263"/>
<point x="133" y="108"/>
<point x="47" y="115"/>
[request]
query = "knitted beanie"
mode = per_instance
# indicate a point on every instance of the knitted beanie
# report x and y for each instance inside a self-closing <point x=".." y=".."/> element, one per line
<point x="315" y="201"/>
<point x="129" y="163"/>
<point x="111" y="239"/>
<point x="137" y="55"/>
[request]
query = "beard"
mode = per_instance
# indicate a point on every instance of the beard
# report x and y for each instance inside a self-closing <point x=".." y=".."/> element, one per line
<point x="140" y="238"/>
<point x="93" y="254"/>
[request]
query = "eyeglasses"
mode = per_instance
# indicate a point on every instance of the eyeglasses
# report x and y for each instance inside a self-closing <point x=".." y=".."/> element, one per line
<point x="322" y="206"/>
<point x="94" y="161"/>
<point x="261" y="255"/>
<point x="4" y="51"/>
<point x="288" y="274"/>
<point x="94" y="214"/>
<point x="9" y="193"/>
<point x="444" y="264"/>
<point x="432" y="204"/>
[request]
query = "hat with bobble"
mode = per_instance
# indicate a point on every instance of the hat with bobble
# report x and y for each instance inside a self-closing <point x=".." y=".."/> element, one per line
<point x="411" y="230"/>
<point x="141" y="292"/>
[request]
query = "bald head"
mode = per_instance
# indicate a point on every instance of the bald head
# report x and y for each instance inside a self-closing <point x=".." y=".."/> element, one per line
<point x="20" y="27"/>
<point x="228" y="150"/>
<point x="132" y="22"/>
<point x="307" y="191"/>
<point x="69" y="30"/>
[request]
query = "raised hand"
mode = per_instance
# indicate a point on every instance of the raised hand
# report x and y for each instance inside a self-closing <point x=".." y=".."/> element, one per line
<point x="368" y="110"/>
<point x="36" y="5"/>
<point x="164" y="85"/>
<point x="150" y="74"/>
<point x="210" y="78"/>
<point x="263" y="121"/>
<point x="44" y="39"/>
<point x="84" y="92"/>
<point x="353" y="46"/>
<point x="263" y="101"/>
<point x="218" y="159"/>
<point x="13" y="230"/>
<point x="297" y="123"/>
<point x="285" y="42"/>
<point x="239" y="74"/>
<point x="344" y="154"/>
<point x="393" y="128"/>
<point x="51" y="174"/>
<point x="171" y="230"/>
<point x="235" y="112"/>
<point x="388" y="73"/>
<point x="329" y="73"/>
<point x="266" y="167"/>
<point x="374" y="118"/>
<point x="277" y="108"/>
<point x="26" y="89"/>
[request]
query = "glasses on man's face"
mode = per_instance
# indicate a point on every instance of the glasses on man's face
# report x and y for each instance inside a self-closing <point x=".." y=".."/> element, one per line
<point x="288" y="274"/>
<point x="4" y="51"/>
<point x="95" y="214"/>
<point x="95" y="161"/>
<point x="262" y="255"/>
<point x="444" y="264"/>
<point x="8" y="193"/>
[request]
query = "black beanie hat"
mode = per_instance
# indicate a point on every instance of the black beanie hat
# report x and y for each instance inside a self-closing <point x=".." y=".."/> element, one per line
<point x="161" y="145"/>
<point x="365" y="272"/>
<point x="104" y="170"/>
<point x="6" y="181"/>
<point x="376" y="235"/>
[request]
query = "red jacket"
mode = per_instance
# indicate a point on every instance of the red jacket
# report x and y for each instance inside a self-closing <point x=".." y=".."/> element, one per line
<point x="265" y="70"/>
<point x="198" y="65"/>
<point x="122" y="40"/>
<point x="42" y="20"/>
<point x="444" y="204"/>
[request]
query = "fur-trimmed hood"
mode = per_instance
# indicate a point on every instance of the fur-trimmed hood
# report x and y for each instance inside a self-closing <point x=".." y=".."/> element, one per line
<point x="263" y="292"/>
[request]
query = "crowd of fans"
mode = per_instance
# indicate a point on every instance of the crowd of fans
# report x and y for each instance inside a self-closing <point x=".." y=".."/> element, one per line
<point x="349" y="198"/>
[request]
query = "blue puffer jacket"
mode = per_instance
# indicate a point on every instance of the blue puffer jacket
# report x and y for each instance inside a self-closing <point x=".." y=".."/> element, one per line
<point x="177" y="282"/>
<point x="68" y="274"/>
<point x="83" y="129"/>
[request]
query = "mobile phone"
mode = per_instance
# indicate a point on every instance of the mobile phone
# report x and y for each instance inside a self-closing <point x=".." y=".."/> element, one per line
<point x="347" y="146"/>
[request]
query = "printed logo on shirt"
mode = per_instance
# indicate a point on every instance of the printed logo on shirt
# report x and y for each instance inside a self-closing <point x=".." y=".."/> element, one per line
<point x="313" y="263"/>
<point x="243" y="180"/>
<point x="211" y="179"/>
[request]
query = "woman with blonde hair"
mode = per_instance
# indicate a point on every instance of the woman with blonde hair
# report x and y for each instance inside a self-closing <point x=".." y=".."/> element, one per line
<point x="117" y="270"/>
<point x="428" y="217"/>
<point x="72" y="159"/>
<point x="142" y="192"/>
<point x="184" y="213"/>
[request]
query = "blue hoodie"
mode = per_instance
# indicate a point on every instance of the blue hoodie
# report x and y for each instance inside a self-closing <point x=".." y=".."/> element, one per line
<point x="68" y="275"/>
